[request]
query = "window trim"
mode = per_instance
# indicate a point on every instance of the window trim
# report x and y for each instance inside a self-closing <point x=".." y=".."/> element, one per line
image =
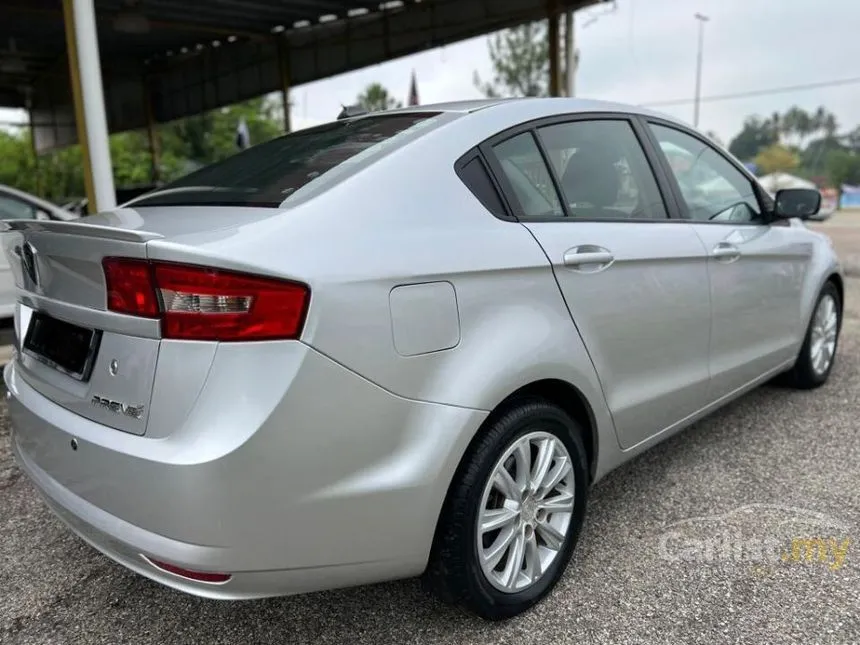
<point x="764" y="218"/>
<point x="673" y="212"/>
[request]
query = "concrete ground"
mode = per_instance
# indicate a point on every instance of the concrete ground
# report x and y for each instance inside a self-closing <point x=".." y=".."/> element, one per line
<point x="671" y="551"/>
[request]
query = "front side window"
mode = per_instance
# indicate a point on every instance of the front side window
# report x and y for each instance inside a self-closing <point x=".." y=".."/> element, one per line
<point x="270" y="173"/>
<point x="712" y="188"/>
<point x="602" y="170"/>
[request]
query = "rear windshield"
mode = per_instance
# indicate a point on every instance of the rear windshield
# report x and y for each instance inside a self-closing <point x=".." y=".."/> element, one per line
<point x="270" y="173"/>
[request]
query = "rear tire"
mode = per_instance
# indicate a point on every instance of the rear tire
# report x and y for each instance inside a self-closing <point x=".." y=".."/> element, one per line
<point x="818" y="353"/>
<point x="539" y="509"/>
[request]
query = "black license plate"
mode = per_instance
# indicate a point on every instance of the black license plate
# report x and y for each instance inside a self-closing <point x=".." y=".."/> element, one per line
<point x="62" y="345"/>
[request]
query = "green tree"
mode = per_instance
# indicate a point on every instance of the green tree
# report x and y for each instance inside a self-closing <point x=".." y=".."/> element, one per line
<point x="776" y="158"/>
<point x="843" y="167"/>
<point x="813" y="158"/>
<point x="376" y="98"/>
<point x="797" y="125"/>
<point x="184" y="145"/>
<point x="211" y="136"/>
<point x="756" y="135"/>
<point x="520" y="60"/>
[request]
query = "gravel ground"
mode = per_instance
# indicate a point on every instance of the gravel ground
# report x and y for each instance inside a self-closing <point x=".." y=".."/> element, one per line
<point x="791" y="455"/>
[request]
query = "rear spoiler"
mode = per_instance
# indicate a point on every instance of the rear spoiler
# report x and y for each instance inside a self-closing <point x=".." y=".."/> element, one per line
<point x="78" y="228"/>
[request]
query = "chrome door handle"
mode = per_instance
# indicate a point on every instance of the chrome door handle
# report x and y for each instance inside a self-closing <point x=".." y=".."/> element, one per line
<point x="588" y="255"/>
<point x="726" y="252"/>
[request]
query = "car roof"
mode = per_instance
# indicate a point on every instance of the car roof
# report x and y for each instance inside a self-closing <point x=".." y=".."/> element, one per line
<point x="538" y="105"/>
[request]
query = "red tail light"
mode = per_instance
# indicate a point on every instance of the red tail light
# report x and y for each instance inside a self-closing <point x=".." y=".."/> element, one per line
<point x="200" y="303"/>
<point x="129" y="286"/>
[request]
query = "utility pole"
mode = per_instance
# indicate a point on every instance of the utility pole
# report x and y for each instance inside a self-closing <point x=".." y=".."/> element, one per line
<point x="702" y="20"/>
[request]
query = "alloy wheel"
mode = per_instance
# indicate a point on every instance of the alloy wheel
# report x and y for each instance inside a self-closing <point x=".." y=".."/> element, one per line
<point x="822" y="339"/>
<point x="525" y="512"/>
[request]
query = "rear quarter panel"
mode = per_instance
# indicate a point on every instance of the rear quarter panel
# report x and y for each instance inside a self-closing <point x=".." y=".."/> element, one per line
<point x="407" y="220"/>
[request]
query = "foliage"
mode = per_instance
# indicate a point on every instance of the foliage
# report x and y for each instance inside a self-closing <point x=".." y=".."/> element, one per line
<point x="794" y="129"/>
<point x="776" y="158"/>
<point x="376" y="98"/>
<point x="813" y="158"/>
<point x="520" y="60"/>
<point x="756" y="135"/>
<point x="843" y="167"/>
<point x="184" y="145"/>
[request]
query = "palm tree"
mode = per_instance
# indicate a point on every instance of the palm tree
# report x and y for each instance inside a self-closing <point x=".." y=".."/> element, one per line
<point x="830" y="126"/>
<point x="818" y="118"/>
<point x="375" y="98"/>
<point x="776" y="125"/>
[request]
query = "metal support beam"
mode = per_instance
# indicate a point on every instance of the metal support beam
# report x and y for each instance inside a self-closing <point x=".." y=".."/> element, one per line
<point x="86" y="76"/>
<point x="571" y="56"/>
<point x="152" y="133"/>
<point x="284" y="71"/>
<point x="33" y="148"/>
<point x="554" y="53"/>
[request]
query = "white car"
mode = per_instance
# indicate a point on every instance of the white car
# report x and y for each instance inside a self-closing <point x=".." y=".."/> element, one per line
<point x="16" y="204"/>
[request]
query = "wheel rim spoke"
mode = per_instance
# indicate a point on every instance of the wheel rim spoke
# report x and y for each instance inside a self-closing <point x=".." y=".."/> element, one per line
<point x="496" y="552"/>
<point x="497" y="518"/>
<point x="554" y="477"/>
<point x="551" y="535"/>
<point x="505" y="484"/>
<point x="522" y="455"/>
<point x="546" y="452"/>
<point x="562" y="503"/>
<point x="533" y="569"/>
<point x="514" y="565"/>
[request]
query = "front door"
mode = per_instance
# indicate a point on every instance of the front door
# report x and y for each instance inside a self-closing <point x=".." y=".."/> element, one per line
<point x="634" y="280"/>
<point x="756" y="268"/>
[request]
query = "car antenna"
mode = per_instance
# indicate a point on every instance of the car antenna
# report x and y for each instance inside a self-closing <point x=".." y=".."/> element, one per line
<point x="349" y="111"/>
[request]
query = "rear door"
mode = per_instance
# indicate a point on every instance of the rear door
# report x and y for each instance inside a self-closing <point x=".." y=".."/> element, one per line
<point x="634" y="279"/>
<point x="756" y="268"/>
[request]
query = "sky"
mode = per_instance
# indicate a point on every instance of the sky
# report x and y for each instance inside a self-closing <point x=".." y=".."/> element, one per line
<point x="645" y="52"/>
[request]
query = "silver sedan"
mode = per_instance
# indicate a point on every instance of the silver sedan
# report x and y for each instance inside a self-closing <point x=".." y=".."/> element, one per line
<point x="402" y="344"/>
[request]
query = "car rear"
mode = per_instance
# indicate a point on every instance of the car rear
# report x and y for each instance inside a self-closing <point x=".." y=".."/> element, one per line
<point x="165" y="405"/>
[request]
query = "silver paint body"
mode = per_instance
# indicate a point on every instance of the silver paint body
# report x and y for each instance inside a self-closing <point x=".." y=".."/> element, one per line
<point x="324" y="462"/>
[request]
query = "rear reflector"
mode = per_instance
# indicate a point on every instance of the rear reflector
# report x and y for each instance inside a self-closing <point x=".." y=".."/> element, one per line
<point x="200" y="303"/>
<point x="188" y="574"/>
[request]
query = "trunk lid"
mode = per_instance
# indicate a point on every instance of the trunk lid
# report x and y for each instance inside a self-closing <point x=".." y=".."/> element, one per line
<point x="107" y="370"/>
<point x="72" y="350"/>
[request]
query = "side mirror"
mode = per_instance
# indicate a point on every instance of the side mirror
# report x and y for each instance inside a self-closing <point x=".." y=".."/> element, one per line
<point x="796" y="202"/>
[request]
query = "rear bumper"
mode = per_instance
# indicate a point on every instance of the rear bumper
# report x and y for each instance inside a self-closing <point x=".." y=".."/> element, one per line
<point x="324" y="492"/>
<point x="127" y="544"/>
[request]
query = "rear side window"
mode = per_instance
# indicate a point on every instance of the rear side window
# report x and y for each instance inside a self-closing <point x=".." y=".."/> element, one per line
<point x="474" y="174"/>
<point x="271" y="172"/>
<point x="528" y="175"/>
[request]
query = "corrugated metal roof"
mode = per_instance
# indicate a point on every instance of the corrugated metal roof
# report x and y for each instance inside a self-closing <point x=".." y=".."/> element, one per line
<point x="196" y="56"/>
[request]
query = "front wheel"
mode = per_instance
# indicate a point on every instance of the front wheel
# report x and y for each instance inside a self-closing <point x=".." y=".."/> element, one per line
<point x="513" y="513"/>
<point x="816" y="358"/>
